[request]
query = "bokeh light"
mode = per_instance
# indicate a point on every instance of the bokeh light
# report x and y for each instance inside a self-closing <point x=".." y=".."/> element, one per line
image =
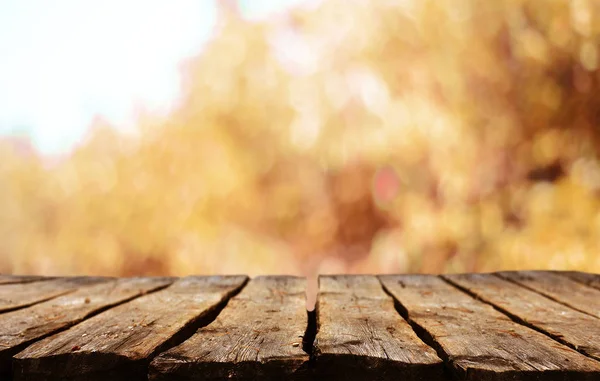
<point x="349" y="136"/>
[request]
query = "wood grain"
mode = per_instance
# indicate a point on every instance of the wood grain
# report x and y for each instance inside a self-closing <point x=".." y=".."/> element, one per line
<point x="15" y="296"/>
<point x="560" y="288"/>
<point x="360" y="334"/>
<point x="592" y="280"/>
<point x="480" y="343"/>
<point x="22" y="327"/>
<point x="576" y="329"/>
<point x="259" y="335"/>
<point x="10" y="279"/>
<point x="119" y="343"/>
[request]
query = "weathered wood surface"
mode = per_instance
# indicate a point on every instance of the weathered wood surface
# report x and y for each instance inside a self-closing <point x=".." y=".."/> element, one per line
<point x="119" y="343"/>
<point x="507" y="326"/>
<point x="592" y="280"/>
<point x="15" y="296"/>
<point x="22" y="327"/>
<point x="480" y="343"/>
<point x="258" y="335"/>
<point x="560" y="288"/>
<point x="10" y="279"/>
<point x="571" y="327"/>
<point x="360" y="333"/>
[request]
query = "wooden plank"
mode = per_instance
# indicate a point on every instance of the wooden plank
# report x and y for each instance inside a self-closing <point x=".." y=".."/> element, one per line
<point x="559" y="288"/>
<point x="22" y="327"/>
<point x="578" y="330"/>
<point x="592" y="280"/>
<point x="360" y="334"/>
<point x="258" y="336"/>
<point x="10" y="279"/>
<point x="15" y="296"/>
<point x="480" y="343"/>
<point x="119" y="343"/>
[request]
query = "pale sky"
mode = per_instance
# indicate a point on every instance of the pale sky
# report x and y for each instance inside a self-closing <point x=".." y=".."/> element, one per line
<point x="64" y="61"/>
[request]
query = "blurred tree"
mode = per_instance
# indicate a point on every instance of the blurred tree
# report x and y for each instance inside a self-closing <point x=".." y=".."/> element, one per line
<point x="482" y="117"/>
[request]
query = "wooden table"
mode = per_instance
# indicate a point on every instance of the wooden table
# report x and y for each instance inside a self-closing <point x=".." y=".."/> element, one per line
<point x="501" y="326"/>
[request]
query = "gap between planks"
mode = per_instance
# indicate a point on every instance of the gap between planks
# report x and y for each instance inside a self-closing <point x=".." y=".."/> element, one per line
<point x="421" y="333"/>
<point x="12" y="279"/>
<point x="589" y="279"/>
<point x="260" y="335"/>
<point x="361" y="334"/>
<point x="23" y="327"/>
<point x="27" y="365"/>
<point x="16" y="296"/>
<point x="311" y="329"/>
<point x="586" y="346"/>
<point x="465" y="367"/>
<point x="539" y="282"/>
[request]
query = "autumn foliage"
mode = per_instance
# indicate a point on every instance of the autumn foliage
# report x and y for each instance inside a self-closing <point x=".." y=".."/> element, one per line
<point x="360" y="136"/>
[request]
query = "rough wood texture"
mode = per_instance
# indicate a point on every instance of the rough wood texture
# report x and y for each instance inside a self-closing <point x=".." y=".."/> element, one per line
<point x="14" y="296"/>
<point x="22" y="327"/>
<point x="592" y="280"/>
<point x="119" y="343"/>
<point x="576" y="329"/>
<point x="360" y="334"/>
<point x="505" y="326"/>
<point x="560" y="288"/>
<point x="10" y="279"/>
<point x="259" y="335"/>
<point x="480" y="343"/>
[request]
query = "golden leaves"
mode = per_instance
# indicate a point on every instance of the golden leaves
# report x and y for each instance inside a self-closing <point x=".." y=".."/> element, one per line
<point x="267" y="162"/>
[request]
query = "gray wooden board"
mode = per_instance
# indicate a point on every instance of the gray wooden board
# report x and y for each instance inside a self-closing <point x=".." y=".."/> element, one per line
<point x="480" y="343"/>
<point x="14" y="296"/>
<point x="258" y="335"/>
<point x="10" y="279"/>
<point x="592" y="280"/>
<point x="560" y="288"/>
<point x="118" y="344"/>
<point x="562" y="323"/>
<point x="361" y="334"/>
<point x="22" y="327"/>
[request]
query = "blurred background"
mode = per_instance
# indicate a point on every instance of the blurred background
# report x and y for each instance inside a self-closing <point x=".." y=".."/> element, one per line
<point x="299" y="137"/>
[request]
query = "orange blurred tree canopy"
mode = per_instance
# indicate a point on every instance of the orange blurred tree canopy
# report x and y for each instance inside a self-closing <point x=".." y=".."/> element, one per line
<point x="481" y="115"/>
